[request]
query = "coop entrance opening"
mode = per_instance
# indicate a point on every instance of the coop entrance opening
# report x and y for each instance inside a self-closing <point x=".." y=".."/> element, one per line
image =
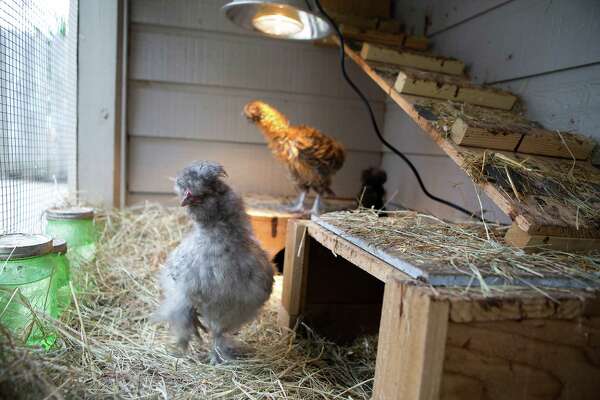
<point x="278" y="260"/>
<point x="342" y="302"/>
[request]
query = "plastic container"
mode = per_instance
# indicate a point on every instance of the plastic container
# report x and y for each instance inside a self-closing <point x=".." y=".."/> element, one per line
<point x="62" y="275"/>
<point x="76" y="226"/>
<point x="27" y="266"/>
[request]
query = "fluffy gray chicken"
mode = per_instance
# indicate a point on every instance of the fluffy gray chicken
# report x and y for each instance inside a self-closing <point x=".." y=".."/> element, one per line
<point x="218" y="277"/>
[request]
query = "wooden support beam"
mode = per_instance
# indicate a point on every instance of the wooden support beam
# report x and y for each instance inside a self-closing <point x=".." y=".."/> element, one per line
<point x="364" y="23"/>
<point x="354" y="254"/>
<point x="468" y="134"/>
<point x="521" y="139"/>
<point x="408" y="83"/>
<point x="382" y="38"/>
<point x="519" y="238"/>
<point x="294" y="273"/>
<point x="411" y="347"/>
<point x="373" y="8"/>
<point x="439" y="86"/>
<point x="549" y="143"/>
<point x="373" y="52"/>
<point x="486" y="97"/>
<point x="389" y="26"/>
<point x="416" y="43"/>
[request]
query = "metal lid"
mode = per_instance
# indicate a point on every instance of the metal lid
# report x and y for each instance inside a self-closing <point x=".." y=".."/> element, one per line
<point x="23" y="245"/>
<point x="69" y="213"/>
<point x="60" y="246"/>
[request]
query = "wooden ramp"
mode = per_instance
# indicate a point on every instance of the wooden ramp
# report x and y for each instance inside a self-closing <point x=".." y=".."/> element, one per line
<point x="548" y="198"/>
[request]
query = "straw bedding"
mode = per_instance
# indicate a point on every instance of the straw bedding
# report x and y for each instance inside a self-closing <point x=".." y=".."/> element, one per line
<point x="108" y="348"/>
<point x="475" y="250"/>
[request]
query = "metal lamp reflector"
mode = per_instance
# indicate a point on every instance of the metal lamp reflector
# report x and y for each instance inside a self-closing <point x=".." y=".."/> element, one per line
<point x="285" y="19"/>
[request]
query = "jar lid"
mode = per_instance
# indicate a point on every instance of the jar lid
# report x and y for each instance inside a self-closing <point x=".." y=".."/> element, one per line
<point x="60" y="246"/>
<point x="24" y="245"/>
<point x="69" y="213"/>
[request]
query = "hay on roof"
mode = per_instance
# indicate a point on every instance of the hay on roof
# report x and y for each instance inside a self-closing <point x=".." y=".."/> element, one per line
<point x="474" y="250"/>
<point x="570" y="191"/>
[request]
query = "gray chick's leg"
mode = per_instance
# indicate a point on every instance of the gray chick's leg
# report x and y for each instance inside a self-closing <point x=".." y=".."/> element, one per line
<point x="221" y="351"/>
<point x="298" y="205"/>
<point x="226" y="349"/>
<point x="316" y="208"/>
<point x="183" y="324"/>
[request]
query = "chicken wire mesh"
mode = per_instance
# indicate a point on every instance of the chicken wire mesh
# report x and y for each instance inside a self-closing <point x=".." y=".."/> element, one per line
<point x="38" y="100"/>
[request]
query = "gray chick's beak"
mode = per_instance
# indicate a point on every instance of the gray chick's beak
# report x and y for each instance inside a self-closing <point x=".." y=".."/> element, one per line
<point x="187" y="199"/>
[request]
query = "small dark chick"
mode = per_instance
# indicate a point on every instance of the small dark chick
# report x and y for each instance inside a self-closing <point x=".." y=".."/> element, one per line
<point x="373" y="193"/>
<point x="311" y="157"/>
<point x="218" y="277"/>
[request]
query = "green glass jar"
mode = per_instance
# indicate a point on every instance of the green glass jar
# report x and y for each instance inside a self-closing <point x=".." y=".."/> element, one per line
<point x="76" y="226"/>
<point x="62" y="275"/>
<point x="27" y="266"/>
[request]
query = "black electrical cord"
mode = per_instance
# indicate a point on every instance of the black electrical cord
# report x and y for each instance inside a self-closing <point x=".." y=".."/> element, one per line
<point x="376" y="127"/>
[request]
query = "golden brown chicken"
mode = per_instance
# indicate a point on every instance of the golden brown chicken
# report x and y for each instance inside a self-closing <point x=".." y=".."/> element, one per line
<point x="312" y="157"/>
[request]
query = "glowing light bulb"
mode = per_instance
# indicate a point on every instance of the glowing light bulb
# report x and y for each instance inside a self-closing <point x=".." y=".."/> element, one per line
<point x="277" y="24"/>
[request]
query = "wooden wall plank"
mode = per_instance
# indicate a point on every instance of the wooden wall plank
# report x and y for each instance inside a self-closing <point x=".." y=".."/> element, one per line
<point x="531" y="359"/>
<point x="411" y="347"/>
<point x="519" y="238"/>
<point x="523" y="38"/>
<point x="244" y="62"/>
<point x="374" y="52"/>
<point x="294" y="273"/>
<point x="213" y="113"/>
<point x="251" y="167"/>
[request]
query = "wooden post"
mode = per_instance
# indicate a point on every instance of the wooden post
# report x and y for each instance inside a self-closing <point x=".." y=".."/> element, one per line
<point x="412" y="340"/>
<point x="294" y="273"/>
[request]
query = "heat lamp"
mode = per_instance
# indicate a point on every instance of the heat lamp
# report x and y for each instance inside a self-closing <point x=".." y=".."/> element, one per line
<point x="284" y="19"/>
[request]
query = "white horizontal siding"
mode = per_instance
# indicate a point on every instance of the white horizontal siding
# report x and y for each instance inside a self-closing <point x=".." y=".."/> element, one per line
<point x="249" y="166"/>
<point x="190" y="73"/>
<point x="213" y="113"/>
<point x="194" y="14"/>
<point x="440" y="15"/>
<point x="525" y="37"/>
<point x="445" y="14"/>
<point x="405" y="135"/>
<point x="207" y="58"/>
<point x="566" y="100"/>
